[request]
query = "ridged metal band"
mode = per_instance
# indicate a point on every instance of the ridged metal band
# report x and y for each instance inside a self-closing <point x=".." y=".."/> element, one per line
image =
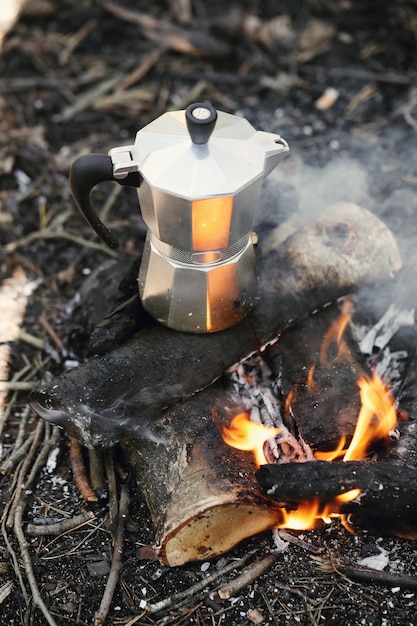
<point x="184" y="256"/>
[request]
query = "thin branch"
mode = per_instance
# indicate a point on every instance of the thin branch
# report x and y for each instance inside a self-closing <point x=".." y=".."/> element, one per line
<point x="21" y="485"/>
<point x="47" y="234"/>
<point x="79" y="472"/>
<point x="9" y="546"/>
<point x="97" y="479"/>
<point x="51" y="332"/>
<point x="18" y="385"/>
<point x="49" y="442"/>
<point x="30" y="339"/>
<point x="248" y="576"/>
<point x="25" y="555"/>
<point x="286" y="536"/>
<point x="20" y="437"/>
<point x="361" y="74"/>
<point x="17" y="455"/>
<point x="367" y="575"/>
<point x="116" y="563"/>
<point x="60" y="528"/>
<point x="167" y="603"/>
<point x="112" y="486"/>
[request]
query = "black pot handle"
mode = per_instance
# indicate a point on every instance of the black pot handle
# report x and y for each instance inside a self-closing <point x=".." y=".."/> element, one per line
<point x="86" y="172"/>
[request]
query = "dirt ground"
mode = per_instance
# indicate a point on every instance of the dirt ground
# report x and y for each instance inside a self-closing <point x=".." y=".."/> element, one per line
<point x="337" y="79"/>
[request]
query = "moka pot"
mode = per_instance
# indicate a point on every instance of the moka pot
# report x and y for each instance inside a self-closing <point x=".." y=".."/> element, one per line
<point x="198" y="175"/>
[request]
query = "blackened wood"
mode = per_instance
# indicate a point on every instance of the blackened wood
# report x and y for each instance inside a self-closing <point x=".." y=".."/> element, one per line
<point x="119" y="394"/>
<point x="404" y="451"/>
<point x="202" y="495"/>
<point x="388" y="491"/>
<point x="104" y="313"/>
<point x="318" y="374"/>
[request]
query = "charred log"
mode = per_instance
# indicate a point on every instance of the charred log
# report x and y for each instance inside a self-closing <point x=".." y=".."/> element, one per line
<point x="319" y="374"/>
<point x="202" y="495"/>
<point x="121" y="393"/>
<point x="388" y="493"/>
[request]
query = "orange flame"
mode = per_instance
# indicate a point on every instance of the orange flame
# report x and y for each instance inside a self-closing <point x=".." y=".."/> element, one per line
<point x="333" y="454"/>
<point x="377" y="417"/>
<point x="247" y="435"/>
<point x="335" y="336"/>
<point x="309" y="515"/>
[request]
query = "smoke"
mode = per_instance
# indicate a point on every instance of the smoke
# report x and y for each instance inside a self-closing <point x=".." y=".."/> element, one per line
<point x="297" y="190"/>
<point x="296" y="193"/>
<point x="97" y="429"/>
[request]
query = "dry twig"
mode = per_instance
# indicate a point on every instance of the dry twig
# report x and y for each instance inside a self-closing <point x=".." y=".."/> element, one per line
<point x="204" y="583"/>
<point x="97" y="479"/>
<point x="12" y="385"/>
<point x="79" y="472"/>
<point x="62" y="527"/>
<point x="25" y="555"/>
<point x="112" y="486"/>
<point x="248" y="576"/>
<point x="23" y="471"/>
<point x="286" y="536"/>
<point x="367" y="575"/>
<point x="47" y="234"/>
<point x="116" y="562"/>
<point x="51" y="332"/>
<point x="167" y="35"/>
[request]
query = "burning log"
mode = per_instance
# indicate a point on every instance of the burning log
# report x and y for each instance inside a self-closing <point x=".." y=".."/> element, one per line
<point x="121" y="393"/>
<point x="318" y="371"/>
<point x="202" y="495"/>
<point x="387" y="492"/>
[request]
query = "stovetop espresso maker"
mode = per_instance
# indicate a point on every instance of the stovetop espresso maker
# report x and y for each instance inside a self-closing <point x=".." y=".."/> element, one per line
<point x="198" y="175"/>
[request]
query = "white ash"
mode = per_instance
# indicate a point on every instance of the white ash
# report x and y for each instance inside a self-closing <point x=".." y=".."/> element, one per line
<point x="253" y="382"/>
<point x="383" y="331"/>
<point x="280" y="544"/>
<point x="376" y="561"/>
<point x="52" y="460"/>
<point x="374" y="342"/>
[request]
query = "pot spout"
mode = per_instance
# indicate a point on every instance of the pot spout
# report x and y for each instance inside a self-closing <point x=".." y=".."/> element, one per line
<point x="275" y="148"/>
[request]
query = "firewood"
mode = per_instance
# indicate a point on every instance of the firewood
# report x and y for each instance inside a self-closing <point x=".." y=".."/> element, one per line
<point x="388" y="492"/>
<point x="318" y="373"/>
<point x="202" y="495"/>
<point x="121" y="393"/>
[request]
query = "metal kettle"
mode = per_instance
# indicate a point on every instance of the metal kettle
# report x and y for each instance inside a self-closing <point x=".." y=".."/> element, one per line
<point x="198" y="175"/>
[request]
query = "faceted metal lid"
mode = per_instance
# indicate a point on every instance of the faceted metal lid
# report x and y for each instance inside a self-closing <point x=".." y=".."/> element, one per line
<point x="234" y="156"/>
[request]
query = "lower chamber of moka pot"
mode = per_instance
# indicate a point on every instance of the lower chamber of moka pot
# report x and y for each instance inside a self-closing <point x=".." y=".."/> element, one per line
<point x="199" y="292"/>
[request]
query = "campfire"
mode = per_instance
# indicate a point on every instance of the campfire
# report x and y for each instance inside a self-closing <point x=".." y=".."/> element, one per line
<point x="307" y="413"/>
<point x="376" y="423"/>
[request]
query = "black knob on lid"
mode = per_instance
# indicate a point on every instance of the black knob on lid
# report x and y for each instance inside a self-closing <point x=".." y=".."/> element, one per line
<point x="201" y="120"/>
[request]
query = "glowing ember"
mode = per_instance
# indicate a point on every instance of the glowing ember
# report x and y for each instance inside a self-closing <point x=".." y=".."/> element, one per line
<point x="244" y="434"/>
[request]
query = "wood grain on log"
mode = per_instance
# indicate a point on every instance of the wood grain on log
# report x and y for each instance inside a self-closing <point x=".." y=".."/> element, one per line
<point x="202" y="495"/>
